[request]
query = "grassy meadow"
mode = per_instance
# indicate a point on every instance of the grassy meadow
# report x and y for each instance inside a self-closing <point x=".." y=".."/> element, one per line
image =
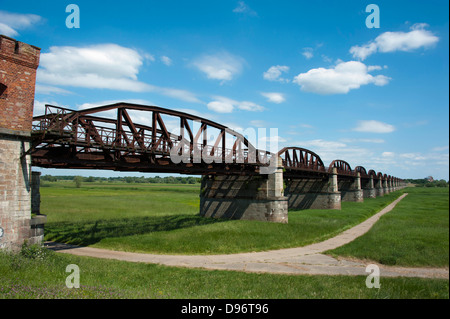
<point x="163" y="218"/>
<point x="44" y="277"/>
<point x="414" y="233"/>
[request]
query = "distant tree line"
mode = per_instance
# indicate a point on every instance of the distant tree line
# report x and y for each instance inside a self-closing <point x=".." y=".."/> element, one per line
<point x="127" y="179"/>
<point x="421" y="182"/>
<point x="428" y="182"/>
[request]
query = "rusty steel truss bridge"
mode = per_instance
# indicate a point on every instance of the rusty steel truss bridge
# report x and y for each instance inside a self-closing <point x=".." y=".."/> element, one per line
<point x="108" y="138"/>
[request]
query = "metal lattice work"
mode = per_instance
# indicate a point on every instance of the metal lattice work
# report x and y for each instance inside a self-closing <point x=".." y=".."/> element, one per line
<point x="172" y="141"/>
<point x="343" y="168"/>
<point x="362" y="171"/>
<point x="132" y="137"/>
<point x="297" y="158"/>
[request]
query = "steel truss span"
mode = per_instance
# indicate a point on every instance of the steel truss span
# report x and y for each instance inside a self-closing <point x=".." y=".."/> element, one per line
<point x="133" y="137"/>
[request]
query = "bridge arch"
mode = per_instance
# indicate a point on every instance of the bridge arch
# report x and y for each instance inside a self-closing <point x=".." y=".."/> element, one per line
<point x="362" y="171"/>
<point x="372" y="173"/>
<point x="343" y="168"/>
<point x="298" y="158"/>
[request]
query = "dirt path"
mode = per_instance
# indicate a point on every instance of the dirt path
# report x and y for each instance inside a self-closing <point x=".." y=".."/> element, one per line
<point x="298" y="261"/>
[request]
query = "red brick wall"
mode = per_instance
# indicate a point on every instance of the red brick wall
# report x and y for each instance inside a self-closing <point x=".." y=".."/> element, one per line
<point x="18" y="64"/>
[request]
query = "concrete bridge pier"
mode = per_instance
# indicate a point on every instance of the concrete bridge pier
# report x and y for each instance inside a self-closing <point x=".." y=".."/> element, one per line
<point x="258" y="197"/>
<point x="379" y="187"/>
<point x="313" y="193"/>
<point x="351" y="189"/>
<point x="368" y="187"/>
<point x="386" y="189"/>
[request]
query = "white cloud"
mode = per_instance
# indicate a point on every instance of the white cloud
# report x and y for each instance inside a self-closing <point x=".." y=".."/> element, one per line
<point x="274" y="97"/>
<point x="417" y="38"/>
<point x="388" y="154"/>
<point x="222" y="66"/>
<point x="48" y="90"/>
<point x="166" y="60"/>
<point x="345" y="76"/>
<point x="440" y="148"/>
<point x="249" y="106"/>
<point x="258" y="123"/>
<point x="101" y="66"/>
<point x="374" y="127"/>
<point x="11" y="22"/>
<point x="321" y="144"/>
<point x="222" y="104"/>
<point x="178" y="94"/>
<point x="374" y="68"/>
<point x="274" y="73"/>
<point x="149" y="57"/>
<point x="362" y="140"/>
<point x="7" y="30"/>
<point x="244" y="8"/>
<point x="308" y="53"/>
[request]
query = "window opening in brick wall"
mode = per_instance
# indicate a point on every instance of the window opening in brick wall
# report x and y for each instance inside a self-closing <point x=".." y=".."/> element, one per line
<point x="3" y="91"/>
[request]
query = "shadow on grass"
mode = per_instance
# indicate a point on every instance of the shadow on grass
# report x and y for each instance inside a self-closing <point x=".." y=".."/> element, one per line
<point x="90" y="232"/>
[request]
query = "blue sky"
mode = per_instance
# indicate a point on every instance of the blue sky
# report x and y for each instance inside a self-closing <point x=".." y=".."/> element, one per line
<point x="376" y="97"/>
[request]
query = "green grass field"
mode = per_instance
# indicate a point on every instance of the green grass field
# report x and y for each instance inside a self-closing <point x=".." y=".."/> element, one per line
<point x="164" y="219"/>
<point x="45" y="279"/>
<point x="414" y="233"/>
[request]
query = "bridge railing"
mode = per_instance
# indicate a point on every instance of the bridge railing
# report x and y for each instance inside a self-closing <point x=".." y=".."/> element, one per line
<point x="54" y="118"/>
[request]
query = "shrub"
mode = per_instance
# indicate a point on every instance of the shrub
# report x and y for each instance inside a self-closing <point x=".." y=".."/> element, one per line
<point x="34" y="251"/>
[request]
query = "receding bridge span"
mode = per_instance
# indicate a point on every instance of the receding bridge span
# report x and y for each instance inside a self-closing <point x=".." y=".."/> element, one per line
<point x="239" y="180"/>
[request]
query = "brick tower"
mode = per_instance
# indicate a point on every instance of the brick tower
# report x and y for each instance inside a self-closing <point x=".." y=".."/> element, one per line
<point x="18" y="64"/>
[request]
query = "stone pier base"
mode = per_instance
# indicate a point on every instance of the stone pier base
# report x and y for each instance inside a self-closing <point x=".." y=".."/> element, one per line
<point x="356" y="195"/>
<point x="258" y="197"/>
<point x="37" y="230"/>
<point x="270" y="210"/>
<point x="315" y="201"/>
<point x="369" y="193"/>
<point x="379" y="192"/>
<point x="313" y="193"/>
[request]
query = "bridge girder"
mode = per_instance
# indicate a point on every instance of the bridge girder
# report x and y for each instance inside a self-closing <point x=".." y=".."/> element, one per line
<point x="164" y="140"/>
<point x="82" y="139"/>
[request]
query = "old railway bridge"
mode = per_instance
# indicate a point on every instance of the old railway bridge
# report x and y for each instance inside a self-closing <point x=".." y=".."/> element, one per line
<point x="238" y="180"/>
